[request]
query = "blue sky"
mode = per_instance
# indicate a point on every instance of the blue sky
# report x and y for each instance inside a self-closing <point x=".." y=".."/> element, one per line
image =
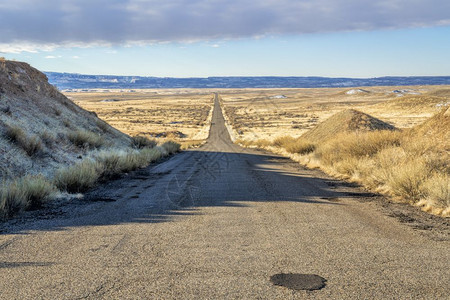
<point x="200" y="38"/>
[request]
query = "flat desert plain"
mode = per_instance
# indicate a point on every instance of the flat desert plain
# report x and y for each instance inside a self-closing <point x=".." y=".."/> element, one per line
<point x="268" y="114"/>
<point x="182" y="114"/>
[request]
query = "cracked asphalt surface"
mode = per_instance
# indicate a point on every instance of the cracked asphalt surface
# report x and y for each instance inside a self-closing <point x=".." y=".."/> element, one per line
<point x="216" y="223"/>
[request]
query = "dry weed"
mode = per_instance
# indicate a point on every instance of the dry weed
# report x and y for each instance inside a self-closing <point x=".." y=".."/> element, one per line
<point x="79" y="177"/>
<point x="140" y="142"/>
<point x="30" y="144"/>
<point x="85" y="139"/>
<point x="27" y="192"/>
<point x="171" y="147"/>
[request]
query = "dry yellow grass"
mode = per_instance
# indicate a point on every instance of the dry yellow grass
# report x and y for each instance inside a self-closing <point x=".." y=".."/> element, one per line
<point x="180" y="115"/>
<point x="294" y="145"/>
<point x="264" y="114"/>
<point x="411" y="165"/>
<point x="28" y="192"/>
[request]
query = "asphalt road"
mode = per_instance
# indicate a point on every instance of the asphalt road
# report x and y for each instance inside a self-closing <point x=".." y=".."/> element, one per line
<point x="216" y="223"/>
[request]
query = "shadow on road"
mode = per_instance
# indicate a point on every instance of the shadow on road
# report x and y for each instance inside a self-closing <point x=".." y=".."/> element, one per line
<point x="193" y="179"/>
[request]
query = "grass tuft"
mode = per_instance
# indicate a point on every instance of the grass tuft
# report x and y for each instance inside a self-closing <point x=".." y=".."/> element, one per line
<point x="85" y="139"/>
<point x="171" y="147"/>
<point x="300" y="146"/>
<point x="30" y="144"/>
<point x="140" y="142"/>
<point x="294" y="145"/>
<point x="48" y="138"/>
<point x="406" y="180"/>
<point x="282" y="141"/>
<point x="437" y="189"/>
<point x="38" y="189"/>
<point x="28" y="192"/>
<point x="12" y="199"/>
<point x="102" y="125"/>
<point x="78" y="178"/>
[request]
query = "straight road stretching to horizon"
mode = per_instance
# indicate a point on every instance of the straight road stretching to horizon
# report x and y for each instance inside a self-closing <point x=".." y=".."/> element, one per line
<point x="217" y="223"/>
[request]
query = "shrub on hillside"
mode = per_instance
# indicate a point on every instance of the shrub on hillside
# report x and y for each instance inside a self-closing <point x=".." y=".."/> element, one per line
<point x="171" y="147"/>
<point x="79" y="177"/>
<point x="30" y="144"/>
<point x="102" y="125"/>
<point x="38" y="190"/>
<point x="151" y="155"/>
<point x="28" y="192"/>
<point x="87" y="139"/>
<point x="12" y="199"/>
<point x="140" y="142"/>
<point x="48" y="138"/>
<point x="111" y="163"/>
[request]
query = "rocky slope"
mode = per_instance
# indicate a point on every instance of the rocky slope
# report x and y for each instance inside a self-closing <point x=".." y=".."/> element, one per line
<point x="41" y="129"/>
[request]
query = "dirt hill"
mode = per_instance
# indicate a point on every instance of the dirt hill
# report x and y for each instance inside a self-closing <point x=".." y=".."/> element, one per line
<point x="345" y="121"/>
<point x="40" y="128"/>
<point x="436" y="128"/>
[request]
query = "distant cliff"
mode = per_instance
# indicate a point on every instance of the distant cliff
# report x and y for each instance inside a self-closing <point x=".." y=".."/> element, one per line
<point x="79" y="81"/>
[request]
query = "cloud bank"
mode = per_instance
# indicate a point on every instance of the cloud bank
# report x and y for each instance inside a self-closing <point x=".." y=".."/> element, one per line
<point x="27" y="25"/>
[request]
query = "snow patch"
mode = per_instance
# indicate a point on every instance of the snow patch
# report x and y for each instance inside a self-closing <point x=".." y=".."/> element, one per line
<point x="356" y="92"/>
<point x="440" y="105"/>
<point x="401" y="93"/>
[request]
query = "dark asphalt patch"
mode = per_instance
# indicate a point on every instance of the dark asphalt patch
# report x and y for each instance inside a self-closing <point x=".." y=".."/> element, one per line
<point x="307" y="282"/>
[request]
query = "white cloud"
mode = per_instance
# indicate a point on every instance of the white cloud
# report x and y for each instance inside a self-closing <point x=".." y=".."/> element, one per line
<point x="35" y="47"/>
<point x="55" y="23"/>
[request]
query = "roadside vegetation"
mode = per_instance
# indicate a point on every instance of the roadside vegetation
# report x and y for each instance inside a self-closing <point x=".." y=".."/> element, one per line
<point x="49" y="146"/>
<point x="30" y="192"/>
<point x="410" y="165"/>
<point x="30" y="144"/>
<point x="86" y="139"/>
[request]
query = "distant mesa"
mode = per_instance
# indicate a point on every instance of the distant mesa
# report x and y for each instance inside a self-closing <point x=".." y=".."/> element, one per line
<point x="349" y="120"/>
<point x="66" y="81"/>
